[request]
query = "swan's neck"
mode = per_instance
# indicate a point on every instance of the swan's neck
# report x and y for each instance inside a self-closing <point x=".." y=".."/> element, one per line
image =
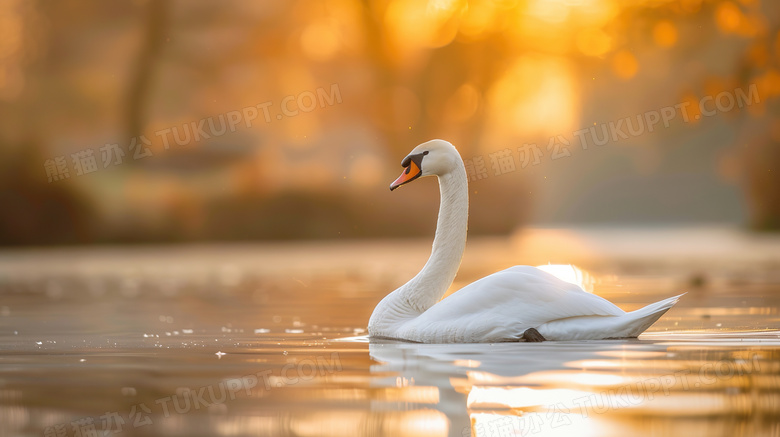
<point x="428" y="287"/>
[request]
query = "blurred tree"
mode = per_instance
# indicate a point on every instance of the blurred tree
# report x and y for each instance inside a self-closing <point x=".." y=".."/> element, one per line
<point x="37" y="212"/>
<point x="155" y="30"/>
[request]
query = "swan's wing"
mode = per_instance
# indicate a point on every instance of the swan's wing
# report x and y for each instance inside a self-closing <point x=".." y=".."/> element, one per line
<point x="529" y="293"/>
<point x="505" y="304"/>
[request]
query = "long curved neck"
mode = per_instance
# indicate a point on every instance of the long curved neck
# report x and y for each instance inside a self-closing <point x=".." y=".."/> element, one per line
<point x="428" y="287"/>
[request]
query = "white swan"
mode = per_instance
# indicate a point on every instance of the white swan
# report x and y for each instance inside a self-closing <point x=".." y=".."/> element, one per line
<point x="519" y="303"/>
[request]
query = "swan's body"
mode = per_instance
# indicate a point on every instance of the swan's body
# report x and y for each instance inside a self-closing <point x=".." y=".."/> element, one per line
<point x="499" y="307"/>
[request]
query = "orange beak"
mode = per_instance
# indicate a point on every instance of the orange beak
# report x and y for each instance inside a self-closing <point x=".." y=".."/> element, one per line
<point x="411" y="173"/>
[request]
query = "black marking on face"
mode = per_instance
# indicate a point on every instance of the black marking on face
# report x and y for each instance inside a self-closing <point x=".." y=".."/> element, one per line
<point x="409" y="163"/>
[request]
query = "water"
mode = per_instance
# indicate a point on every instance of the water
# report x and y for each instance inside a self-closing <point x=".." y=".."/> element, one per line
<point x="254" y="340"/>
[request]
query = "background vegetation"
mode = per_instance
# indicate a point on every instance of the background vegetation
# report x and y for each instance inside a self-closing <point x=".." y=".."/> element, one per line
<point x="487" y="75"/>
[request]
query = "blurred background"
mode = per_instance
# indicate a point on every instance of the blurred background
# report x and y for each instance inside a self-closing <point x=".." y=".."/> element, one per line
<point x="167" y="121"/>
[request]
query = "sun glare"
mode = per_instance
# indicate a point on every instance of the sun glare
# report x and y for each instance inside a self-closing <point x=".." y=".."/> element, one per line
<point x="535" y="424"/>
<point x="570" y="274"/>
<point x="535" y="96"/>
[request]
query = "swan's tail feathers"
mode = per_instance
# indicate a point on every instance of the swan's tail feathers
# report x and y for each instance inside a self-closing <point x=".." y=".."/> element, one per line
<point x="638" y="321"/>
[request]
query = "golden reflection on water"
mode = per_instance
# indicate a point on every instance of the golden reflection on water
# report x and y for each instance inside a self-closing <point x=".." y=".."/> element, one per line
<point x="739" y="387"/>
<point x="417" y="423"/>
<point x="113" y="351"/>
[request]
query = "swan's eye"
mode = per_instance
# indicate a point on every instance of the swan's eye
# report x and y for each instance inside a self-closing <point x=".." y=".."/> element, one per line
<point x="425" y="152"/>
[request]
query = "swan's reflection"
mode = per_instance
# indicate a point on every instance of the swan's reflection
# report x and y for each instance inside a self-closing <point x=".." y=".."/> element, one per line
<point x="591" y="388"/>
<point x="458" y="371"/>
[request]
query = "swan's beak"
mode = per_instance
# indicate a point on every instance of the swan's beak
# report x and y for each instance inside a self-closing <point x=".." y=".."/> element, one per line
<point x="412" y="171"/>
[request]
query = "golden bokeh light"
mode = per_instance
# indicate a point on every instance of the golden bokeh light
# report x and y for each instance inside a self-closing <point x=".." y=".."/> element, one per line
<point x="593" y="41"/>
<point x="319" y="41"/>
<point x="412" y="25"/>
<point x="665" y="33"/>
<point x="477" y="18"/>
<point x="536" y="95"/>
<point x="625" y="64"/>
<point x="728" y="17"/>
<point x="550" y="11"/>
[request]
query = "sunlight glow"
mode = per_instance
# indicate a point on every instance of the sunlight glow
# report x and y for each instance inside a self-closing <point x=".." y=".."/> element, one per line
<point x="319" y="41"/>
<point x="414" y="394"/>
<point x="422" y="423"/>
<point x="625" y="64"/>
<point x="519" y="397"/>
<point x="551" y="11"/>
<point x="543" y="424"/>
<point x="477" y="18"/>
<point x="587" y="379"/>
<point x="728" y="17"/>
<point x="589" y="364"/>
<point x="665" y="33"/>
<point x="413" y="24"/>
<point x="570" y="274"/>
<point x="593" y="41"/>
<point x="536" y="95"/>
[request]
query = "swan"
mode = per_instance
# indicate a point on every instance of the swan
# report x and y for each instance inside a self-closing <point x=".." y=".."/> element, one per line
<point x="521" y="303"/>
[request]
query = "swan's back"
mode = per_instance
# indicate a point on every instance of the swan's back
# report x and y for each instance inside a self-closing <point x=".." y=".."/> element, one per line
<point x="500" y="307"/>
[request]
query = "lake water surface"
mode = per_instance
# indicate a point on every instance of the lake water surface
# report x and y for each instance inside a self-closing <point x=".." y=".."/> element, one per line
<point x="256" y="340"/>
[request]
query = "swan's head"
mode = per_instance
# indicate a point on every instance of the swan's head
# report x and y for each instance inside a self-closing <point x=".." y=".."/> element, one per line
<point x="433" y="158"/>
